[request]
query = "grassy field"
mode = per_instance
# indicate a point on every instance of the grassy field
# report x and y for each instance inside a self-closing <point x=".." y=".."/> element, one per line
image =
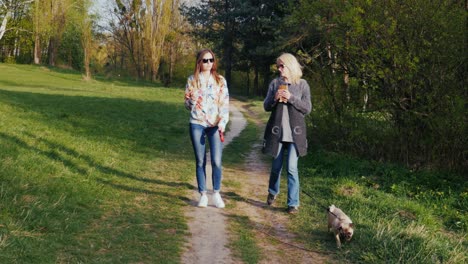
<point x="97" y="172"/>
<point x="91" y="172"/>
<point x="401" y="216"/>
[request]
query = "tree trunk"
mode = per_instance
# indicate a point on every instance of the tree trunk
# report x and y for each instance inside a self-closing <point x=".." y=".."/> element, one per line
<point x="86" y="64"/>
<point x="247" y="87"/>
<point x="171" y="64"/>
<point x="51" y="51"/>
<point x="227" y="43"/>
<point x="37" y="50"/>
<point x="16" y="50"/>
<point x="228" y="62"/>
<point x="257" y="92"/>
<point x="346" y="85"/>
<point x="266" y="79"/>
<point x="4" y="24"/>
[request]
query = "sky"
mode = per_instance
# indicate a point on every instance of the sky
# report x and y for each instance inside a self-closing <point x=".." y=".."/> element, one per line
<point x="101" y="8"/>
<point x="101" y="5"/>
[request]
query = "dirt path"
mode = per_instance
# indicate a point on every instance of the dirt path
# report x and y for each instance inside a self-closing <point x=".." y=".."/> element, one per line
<point x="208" y="225"/>
<point x="209" y="235"/>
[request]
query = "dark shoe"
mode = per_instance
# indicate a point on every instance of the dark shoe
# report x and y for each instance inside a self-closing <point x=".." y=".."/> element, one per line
<point x="293" y="210"/>
<point x="270" y="199"/>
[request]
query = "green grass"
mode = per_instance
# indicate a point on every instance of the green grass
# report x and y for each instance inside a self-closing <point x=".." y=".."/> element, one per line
<point x="90" y="172"/>
<point x="400" y="216"/>
<point x="242" y="242"/>
<point x="97" y="172"/>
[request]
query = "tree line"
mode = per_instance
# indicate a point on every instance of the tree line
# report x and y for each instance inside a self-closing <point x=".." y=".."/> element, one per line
<point x="388" y="77"/>
<point x="137" y="37"/>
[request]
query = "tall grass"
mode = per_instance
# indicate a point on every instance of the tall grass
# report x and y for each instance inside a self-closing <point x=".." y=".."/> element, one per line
<point x="90" y="172"/>
<point x="400" y="216"/>
<point x="96" y="172"/>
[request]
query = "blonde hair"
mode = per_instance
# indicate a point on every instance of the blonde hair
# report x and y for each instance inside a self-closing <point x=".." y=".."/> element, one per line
<point x="293" y="65"/>
<point x="198" y="67"/>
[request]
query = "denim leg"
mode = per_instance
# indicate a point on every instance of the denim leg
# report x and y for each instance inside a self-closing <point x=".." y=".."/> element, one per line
<point x="197" y="135"/>
<point x="216" y="152"/>
<point x="275" y="173"/>
<point x="293" y="176"/>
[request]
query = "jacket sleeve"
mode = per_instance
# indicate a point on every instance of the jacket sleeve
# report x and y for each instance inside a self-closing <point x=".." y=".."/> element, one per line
<point x="223" y="107"/>
<point x="303" y="102"/>
<point x="269" y="103"/>
<point x="188" y="94"/>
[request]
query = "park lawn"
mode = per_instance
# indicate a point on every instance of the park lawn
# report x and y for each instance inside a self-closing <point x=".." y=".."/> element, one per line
<point x="90" y="172"/>
<point x="400" y="215"/>
<point x="96" y="172"/>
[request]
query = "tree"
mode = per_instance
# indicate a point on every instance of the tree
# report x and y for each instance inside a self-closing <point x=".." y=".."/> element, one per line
<point x="178" y="47"/>
<point x="262" y="38"/>
<point x="157" y="26"/>
<point x="15" y="28"/>
<point x="86" y="39"/>
<point x="405" y="57"/>
<point x="246" y="30"/>
<point x="219" y="23"/>
<point x="7" y="8"/>
<point x="127" y="32"/>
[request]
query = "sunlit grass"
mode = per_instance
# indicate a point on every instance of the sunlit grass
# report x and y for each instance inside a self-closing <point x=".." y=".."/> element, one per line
<point x="96" y="172"/>
<point x="91" y="172"/>
<point x="400" y="216"/>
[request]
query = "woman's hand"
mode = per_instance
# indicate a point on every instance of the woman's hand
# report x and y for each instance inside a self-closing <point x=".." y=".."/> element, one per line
<point x="284" y="95"/>
<point x="278" y="95"/>
<point x="221" y="135"/>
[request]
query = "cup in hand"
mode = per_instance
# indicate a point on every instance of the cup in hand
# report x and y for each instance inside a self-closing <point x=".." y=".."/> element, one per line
<point x="282" y="87"/>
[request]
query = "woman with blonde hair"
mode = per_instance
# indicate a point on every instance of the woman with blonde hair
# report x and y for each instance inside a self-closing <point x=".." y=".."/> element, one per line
<point x="207" y="99"/>
<point x="288" y="100"/>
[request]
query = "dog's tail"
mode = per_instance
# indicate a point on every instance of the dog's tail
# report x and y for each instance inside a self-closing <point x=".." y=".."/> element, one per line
<point x="331" y="208"/>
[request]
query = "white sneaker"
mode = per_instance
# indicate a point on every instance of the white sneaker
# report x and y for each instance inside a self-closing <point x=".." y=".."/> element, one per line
<point x="218" y="202"/>
<point x="203" y="200"/>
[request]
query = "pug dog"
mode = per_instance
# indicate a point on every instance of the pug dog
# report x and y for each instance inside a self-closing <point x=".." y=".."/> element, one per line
<point x="341" y="224"/>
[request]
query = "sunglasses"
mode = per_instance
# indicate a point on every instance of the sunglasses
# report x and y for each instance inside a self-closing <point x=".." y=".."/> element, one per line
<point x="208" y="60"/>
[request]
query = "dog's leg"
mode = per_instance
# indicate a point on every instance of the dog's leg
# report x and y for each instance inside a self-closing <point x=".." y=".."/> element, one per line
<point x="337" y="238"/>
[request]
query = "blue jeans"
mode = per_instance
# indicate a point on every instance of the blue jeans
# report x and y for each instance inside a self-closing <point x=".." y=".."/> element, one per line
<point x="198" y="135"/>
<point x="293" y="175"/>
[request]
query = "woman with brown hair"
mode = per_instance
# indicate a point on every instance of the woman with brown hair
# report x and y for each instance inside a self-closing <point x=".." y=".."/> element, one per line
<point x="207" y="99"/>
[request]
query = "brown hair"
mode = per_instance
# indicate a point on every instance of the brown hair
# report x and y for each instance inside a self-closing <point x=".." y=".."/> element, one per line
<point x="198" y="66"/>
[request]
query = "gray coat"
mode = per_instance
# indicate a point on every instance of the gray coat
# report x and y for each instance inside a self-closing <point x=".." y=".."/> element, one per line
<point x="299" y="105"/>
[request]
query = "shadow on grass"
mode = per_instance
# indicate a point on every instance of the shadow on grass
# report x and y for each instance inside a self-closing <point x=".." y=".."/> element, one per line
<point x="63" y="73"/>
<point x="380" y="176"/>
<point x="149" y="124"/>
<point x="139" y="190"/>
<point x="270" y="232"/>
<point x="259" y="204"/>
<point x="48" y="86"/>
<point x="56" y="156"/>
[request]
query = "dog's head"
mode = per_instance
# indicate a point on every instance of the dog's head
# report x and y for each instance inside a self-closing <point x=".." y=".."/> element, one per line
<point x="346" y="231"/>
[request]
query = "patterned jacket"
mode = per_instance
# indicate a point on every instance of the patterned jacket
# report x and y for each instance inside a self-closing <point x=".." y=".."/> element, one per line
<point x="209" y="104"/>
